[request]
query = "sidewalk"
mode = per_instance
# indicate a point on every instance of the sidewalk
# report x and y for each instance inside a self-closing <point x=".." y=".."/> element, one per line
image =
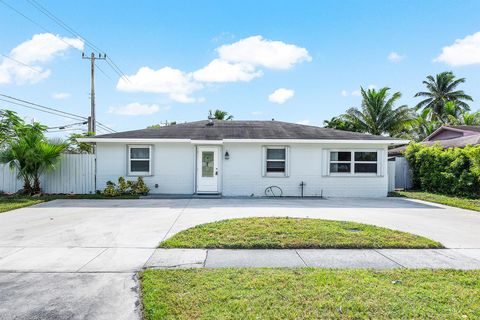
<point x="129" y="260"/>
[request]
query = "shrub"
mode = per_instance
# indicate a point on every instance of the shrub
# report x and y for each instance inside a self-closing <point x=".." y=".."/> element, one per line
<point x="125" y="187"/>
<point x="110" y="190"/>
<point x="453" y="171"/>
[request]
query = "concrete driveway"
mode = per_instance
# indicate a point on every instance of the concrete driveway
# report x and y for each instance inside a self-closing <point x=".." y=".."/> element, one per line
<point x="76" y="258"/>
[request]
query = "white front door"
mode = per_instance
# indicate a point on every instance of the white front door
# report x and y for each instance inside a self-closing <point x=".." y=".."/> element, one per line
<point x="207" y="169"/>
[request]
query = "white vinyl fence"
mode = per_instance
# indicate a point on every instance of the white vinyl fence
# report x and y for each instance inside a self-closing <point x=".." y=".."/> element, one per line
<point x="75" y="173"/>
<point x="391" y="175"/>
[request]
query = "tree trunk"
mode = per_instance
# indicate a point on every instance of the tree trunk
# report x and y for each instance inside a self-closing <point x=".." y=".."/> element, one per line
<point x="36" y="185"/>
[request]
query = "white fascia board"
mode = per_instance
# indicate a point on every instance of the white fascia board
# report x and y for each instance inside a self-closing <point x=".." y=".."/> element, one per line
<point x="203" y="142"/>
<point x="316" y="141"/>
<point x="217" y="142"/>
<point x="125" y="140"/>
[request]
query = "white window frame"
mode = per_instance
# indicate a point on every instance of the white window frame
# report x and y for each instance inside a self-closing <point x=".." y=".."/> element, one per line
<point x="129" y="161"/>
<point x="352" y="163"/>
<point x="286" y="161"/>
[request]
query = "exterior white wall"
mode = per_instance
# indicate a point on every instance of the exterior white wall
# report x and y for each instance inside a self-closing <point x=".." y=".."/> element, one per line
<point x="173" y="166"/>
<point x="241" y="175"/>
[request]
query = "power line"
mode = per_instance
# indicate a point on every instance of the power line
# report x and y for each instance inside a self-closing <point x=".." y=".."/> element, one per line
<point x="68" y="125"/>
<point x="101" y="70"/>
<point x="102" y="126"/>
<point x="38" y="109"/>
<point x="66" y="27"/>
<point x="20" y="62"/>
<point x="41" y="106"/>
<point x="34" y="22"/>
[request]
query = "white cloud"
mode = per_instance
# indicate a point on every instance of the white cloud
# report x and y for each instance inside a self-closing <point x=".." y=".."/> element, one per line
<point x="61" y="95"/>
<point x="281" y="95"/>
<point x="395" y="57"/>
<point x="344" y="93"/>
<point x="305" y="122"/>
<point x="42" y="48"/>
<point x="134" y="109"/>
<point x="239" y="61"/>
<point x="265" y="53"/>
<point x="463" y="52"/>
<point x="173" y="82"/>
<point x="223" y="71"/>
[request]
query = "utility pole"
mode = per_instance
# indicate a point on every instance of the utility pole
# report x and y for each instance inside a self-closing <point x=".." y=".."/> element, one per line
<point x="92" y="58"/>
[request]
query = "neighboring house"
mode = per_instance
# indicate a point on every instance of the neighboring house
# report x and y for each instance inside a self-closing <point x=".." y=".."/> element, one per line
<point x="243" y="158"/>
<point x="446" y="136"/>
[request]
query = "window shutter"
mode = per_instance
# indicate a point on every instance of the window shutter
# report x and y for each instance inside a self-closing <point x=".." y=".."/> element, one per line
<point x="264" y="161"/>
<point x="287" y="161"/>
<point x="381" y="163"/>
<point x="325" y="162"/>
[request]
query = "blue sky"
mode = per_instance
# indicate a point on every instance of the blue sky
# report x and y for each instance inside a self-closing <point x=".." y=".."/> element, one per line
<point x="324" y="51"/>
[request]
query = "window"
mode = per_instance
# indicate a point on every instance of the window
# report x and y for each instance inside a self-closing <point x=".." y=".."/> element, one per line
<point x="348" y="162"/>
<point x="139" y="160"/>
<point x="366" y="162"/>
<point x="276" y="161"/>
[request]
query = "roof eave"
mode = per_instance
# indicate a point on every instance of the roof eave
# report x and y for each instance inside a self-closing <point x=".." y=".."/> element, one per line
<point x="303" y="141"/>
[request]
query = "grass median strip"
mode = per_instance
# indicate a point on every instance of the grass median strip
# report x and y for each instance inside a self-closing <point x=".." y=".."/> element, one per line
<point x="11" y="202"/>
<point x="309" y="293"/>
<point x="293" y="233"/>
<point x="464" y="203"/>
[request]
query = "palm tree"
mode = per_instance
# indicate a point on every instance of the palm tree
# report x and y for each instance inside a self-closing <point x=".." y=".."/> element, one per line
<point x="440" y="90"/>
<point x="378" y="115"/>
<point x="31" y="154"/>
<point x="220" y="115"/>
<point x="339" y="123"/>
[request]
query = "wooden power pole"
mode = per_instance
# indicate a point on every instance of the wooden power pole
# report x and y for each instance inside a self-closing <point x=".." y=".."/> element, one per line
<point x="92" y="120"/>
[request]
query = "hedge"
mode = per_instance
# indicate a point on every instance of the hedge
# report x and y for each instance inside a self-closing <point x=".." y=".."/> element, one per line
<point x="452" y="171"/>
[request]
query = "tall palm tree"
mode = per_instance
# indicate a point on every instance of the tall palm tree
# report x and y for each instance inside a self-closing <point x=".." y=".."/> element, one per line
<point x="440" y="90"/>
<point x="378" y="114"/>
<point x="221" y="115"/>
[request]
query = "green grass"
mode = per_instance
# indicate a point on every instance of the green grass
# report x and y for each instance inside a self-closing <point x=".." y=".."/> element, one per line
<point x="282" y="233"/>
<point x="11" y="202"/>
<point x="309" y="293"/>
<point x="464" y="203"/>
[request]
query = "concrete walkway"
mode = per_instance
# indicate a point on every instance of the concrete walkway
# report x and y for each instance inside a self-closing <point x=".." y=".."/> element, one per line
<point x="128" y="260"/>
<point x="77" y="259"/>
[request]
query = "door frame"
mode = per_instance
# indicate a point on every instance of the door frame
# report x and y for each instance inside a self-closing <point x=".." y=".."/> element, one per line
<point x="218" y="150"/>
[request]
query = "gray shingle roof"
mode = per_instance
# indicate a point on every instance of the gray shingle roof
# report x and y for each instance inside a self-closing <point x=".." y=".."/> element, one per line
<point x="467" y="128"/>
<point x="202" y="130"/>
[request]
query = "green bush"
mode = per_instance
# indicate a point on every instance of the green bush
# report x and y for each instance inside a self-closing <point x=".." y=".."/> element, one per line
<point x="453" y="171"/>
<point x="125" y="187"/>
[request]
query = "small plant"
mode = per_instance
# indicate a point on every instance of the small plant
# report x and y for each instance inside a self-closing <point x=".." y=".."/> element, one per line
<point x="110" y="190"/>
<point x="125" y="187"/>
<point x="140" y="187"/>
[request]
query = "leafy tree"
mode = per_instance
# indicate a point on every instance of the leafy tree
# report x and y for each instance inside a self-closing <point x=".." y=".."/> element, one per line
<point x="31" y="154"/>
<point x="9" y="121"/>
<point x="441" y="89"/>
<point x="378" y="115"/>
<point x="79" y="147"/>
<point x="339" y="123"/>
<point x="220" y="115"/>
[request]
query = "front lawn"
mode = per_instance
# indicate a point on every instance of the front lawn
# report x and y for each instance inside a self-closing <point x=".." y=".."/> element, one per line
<point x="464" y="203"/>
<point x="11" y="202"/>
<point x="309" y="293"/>
<point x="293" y="233"/>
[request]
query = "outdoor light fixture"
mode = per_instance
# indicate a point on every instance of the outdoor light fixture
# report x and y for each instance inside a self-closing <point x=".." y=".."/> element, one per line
<point x="227" y="155"/>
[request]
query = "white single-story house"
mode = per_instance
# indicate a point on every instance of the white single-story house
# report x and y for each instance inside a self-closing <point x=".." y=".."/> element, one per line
<point x="243" y="158"/>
